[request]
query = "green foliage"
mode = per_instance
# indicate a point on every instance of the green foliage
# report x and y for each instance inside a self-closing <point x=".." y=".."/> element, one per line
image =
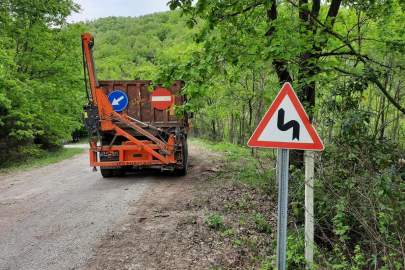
<point x="364" y="202"/>
<point x="295" y="251"/>
<point x="40" y="77"/>
<point x="133" y="48"/>
<point x="358" y="207"/>
<point x="43" y="158"/>
<point x="262" y="224"/>
<point x="253" y="170"/>
<point x="214" y="222"/>
<point x="230" y="231"/>
<point x="245" y="46"/>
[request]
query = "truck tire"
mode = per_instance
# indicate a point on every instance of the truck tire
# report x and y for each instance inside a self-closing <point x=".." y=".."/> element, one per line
<point x="183" y="171"/>
<point x="106" y="172"/>
<point x="119" y="172"/>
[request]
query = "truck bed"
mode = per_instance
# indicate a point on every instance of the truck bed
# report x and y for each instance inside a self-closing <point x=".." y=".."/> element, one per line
<point x="140" y="107"/>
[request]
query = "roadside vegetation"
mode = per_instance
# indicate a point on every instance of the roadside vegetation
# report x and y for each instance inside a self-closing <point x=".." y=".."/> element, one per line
<point x="342" y="61"/>
<point x="239" y="201"/>
<point x="41" y="83"/>
<point x="42" y="158"/>
<point x="355" y="216"/>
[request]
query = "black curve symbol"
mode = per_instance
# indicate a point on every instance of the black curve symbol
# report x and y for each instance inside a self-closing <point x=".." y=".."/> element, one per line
<point x="291" y="124"/>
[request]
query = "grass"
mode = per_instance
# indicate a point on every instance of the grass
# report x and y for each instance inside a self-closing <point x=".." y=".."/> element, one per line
<point x="235" y="152"/>
<point x="82" y="140"/>
<point x="44" y="159"/>
<point x="254" y="170"/>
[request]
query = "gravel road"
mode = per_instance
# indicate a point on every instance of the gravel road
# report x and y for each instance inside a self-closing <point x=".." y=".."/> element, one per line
<point x="51" y="217"/>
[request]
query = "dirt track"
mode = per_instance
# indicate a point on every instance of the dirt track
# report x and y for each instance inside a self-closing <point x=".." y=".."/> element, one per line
<point x="64" y="216"/>
<point x="51" y="217"/>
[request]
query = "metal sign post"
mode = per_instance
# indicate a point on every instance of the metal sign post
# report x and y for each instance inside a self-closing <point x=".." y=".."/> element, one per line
<point x="287" y="126"/>
<point x="283" y="164"/>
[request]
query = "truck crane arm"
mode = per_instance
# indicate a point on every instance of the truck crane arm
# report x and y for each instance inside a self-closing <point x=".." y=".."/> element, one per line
<point x="87" y="45"/>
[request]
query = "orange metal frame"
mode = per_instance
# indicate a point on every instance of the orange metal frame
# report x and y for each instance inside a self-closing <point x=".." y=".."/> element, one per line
<point x="134" y="147"/>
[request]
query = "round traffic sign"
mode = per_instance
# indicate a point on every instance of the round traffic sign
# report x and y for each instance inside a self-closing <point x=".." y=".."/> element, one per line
<point x="118" y="99"/>
<point x="161" y="99"/>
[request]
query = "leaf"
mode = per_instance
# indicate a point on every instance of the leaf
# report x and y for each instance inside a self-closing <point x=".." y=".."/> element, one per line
<point x="190" y="24"/>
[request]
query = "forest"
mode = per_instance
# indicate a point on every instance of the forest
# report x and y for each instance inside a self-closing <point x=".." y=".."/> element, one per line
<point x="345" y="59"/>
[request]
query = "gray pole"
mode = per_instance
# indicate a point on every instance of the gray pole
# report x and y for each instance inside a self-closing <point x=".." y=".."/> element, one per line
<point x="283" y="164"/>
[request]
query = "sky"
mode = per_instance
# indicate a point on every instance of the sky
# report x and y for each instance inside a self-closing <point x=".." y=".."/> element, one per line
<point x="92" y="9"/>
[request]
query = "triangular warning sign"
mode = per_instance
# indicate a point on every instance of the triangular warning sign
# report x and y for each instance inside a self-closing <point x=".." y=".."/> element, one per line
<point x="286" y="125"/>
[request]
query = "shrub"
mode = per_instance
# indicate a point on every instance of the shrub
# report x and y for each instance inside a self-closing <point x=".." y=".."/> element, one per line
<point x="261" y="224"/>
<point x="214" y="221"/>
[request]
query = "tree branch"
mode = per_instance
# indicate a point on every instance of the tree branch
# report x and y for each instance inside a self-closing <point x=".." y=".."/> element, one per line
<point x="335" y="53"/>
<point x="238" y="13"/>
<point x="379" y="85"/>
<point x="334" y="8"/>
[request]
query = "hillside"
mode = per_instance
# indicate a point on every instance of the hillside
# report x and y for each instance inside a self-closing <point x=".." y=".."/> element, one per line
<point x="132" y="48"/>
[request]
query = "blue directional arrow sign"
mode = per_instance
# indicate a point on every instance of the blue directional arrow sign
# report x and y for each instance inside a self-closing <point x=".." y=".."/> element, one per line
<point x="118" y="99"/>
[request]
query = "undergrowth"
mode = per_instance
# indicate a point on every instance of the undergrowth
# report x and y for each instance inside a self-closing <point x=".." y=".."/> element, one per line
<point x="42" y="158"/>
<point x="252" y="169"/>
<point x="359" y="205"/>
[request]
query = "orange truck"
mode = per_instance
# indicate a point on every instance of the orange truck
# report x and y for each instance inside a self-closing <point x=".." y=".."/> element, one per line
<point x="131" y="127"/>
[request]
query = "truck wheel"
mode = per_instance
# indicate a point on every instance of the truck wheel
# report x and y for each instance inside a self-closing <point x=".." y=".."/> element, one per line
<point x="184" y="170"/>
<point x="119" y="172"/>
<point x="106" y="172"/>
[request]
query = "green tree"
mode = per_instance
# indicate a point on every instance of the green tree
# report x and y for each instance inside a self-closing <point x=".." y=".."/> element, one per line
<point x="40" y="80"/>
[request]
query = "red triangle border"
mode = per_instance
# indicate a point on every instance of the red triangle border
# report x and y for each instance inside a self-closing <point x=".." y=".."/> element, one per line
<point x="287" y="89"/>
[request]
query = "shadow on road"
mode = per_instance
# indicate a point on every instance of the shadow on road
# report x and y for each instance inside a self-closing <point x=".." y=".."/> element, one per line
<point x="154" y="174"/>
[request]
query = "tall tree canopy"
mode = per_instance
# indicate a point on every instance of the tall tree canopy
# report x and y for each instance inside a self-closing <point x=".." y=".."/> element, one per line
<point x="302" y="40"/>
<point x="41" y="90"/>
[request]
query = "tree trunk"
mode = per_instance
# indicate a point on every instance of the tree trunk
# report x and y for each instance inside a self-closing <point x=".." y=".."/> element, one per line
<point x="231" y="130"/>
<point x="214" y="133"/>
<point x="308" y="59"/>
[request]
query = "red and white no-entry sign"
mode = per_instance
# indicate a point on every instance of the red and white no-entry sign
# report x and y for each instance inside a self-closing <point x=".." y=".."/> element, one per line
<point x="161" y="99"/>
